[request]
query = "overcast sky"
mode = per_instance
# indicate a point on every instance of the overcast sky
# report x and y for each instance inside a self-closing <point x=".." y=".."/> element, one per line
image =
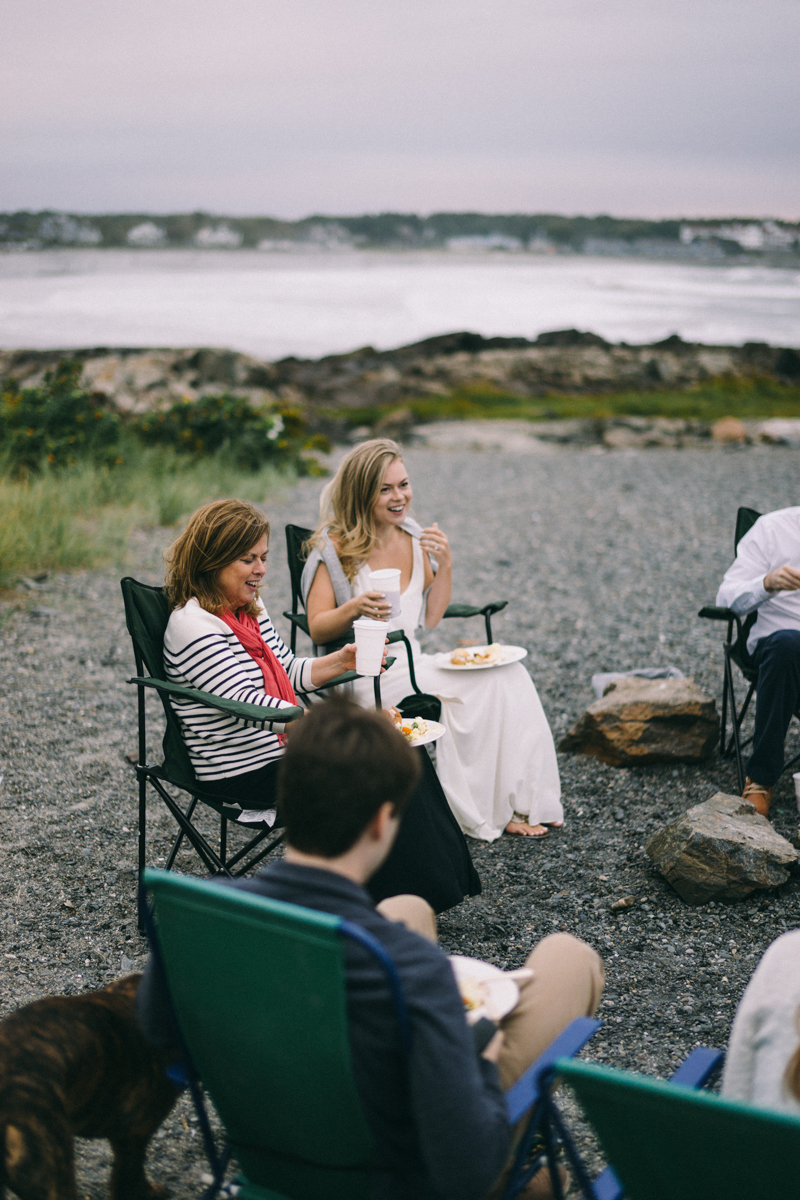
<point x="288" y="107"/>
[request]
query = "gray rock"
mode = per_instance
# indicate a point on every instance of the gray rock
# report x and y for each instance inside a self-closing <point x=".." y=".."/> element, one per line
<point x="641" y="721"/>
<point x="721" y="850"/>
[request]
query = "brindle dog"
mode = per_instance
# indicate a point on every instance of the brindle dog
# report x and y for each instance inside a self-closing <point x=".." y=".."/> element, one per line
<point x="79" y="1065"/>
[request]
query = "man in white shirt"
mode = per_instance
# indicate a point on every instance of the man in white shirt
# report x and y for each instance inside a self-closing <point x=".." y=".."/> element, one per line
<point x="765" y="578"/>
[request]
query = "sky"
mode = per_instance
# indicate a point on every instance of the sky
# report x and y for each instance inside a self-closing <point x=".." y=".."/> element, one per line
<point x="292" y="107"/>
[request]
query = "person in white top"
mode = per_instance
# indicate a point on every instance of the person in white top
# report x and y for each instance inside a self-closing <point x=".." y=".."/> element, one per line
<point x="762" y="1065"/>
<point x="497" y="761"/>
<point x="765" y="579"/>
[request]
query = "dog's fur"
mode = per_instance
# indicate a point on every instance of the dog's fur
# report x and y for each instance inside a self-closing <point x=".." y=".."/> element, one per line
<point x="79" y="1065"/>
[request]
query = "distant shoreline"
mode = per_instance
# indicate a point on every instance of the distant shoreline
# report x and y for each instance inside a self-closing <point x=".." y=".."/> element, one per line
<point x="711" y="240"/>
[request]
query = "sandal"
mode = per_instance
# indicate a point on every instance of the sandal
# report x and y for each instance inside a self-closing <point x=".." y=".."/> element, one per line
<point x="758" y="795"/>
<point x="519" y="819"/>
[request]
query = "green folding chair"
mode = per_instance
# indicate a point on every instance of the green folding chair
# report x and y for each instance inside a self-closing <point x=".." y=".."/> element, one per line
<point x="666" y="1141"/>
<point x="419" y="703"/>
<point x="736" y="654"/>
<point x="257" y="989"/>
<point x="146" y="616"/>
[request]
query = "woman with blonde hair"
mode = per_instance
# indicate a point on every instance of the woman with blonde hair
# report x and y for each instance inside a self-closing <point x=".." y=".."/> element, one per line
<point x="497" y="762"/>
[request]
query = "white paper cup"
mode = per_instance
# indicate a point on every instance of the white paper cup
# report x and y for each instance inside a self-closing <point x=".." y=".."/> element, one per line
<point x="370" y="641"/>
<point x="796" y="778"/>
<point x="387" y="580"/>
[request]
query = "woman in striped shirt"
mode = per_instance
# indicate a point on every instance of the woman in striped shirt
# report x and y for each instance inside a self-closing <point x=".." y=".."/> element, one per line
<point x="220" y="639"/>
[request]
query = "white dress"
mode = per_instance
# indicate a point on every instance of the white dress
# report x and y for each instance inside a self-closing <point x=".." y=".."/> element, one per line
<point x="497" y="756"/>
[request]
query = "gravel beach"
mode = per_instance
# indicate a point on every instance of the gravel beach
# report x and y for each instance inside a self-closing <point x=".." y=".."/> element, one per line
<point x="605" y="558"/>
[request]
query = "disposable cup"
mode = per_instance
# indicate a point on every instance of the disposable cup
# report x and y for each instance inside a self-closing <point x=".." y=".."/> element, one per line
<point x="387" y="580"/>
<point x="796" y="778"/>
<point x="370" y="640"/>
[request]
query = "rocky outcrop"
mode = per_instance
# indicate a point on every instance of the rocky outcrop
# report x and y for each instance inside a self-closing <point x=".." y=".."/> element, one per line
<point x="564" y="361"/>
<point x="640" y="721"/>
<point x="721" y="850"/>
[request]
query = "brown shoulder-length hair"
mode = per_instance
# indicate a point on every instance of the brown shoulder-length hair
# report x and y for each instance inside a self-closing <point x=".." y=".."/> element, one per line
<point x="216" y="535"/>
<point x="347" y="503"/>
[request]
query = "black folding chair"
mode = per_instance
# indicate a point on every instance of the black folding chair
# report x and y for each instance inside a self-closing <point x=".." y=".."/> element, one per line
<point x="146" y="616"/>
<point x="736" y="654"/>
<point x="419" y="703"/>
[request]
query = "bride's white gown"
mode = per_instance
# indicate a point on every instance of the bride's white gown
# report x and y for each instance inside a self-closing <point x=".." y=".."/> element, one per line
<point x="497" y="756"/>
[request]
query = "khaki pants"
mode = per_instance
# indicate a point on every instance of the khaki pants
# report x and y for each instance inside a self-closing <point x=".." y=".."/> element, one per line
<point x="567" y="982"/>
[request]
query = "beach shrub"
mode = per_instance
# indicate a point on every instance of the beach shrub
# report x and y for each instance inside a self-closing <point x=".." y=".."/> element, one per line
<point x="253" y="436"/>
<point x="58" y="423"/>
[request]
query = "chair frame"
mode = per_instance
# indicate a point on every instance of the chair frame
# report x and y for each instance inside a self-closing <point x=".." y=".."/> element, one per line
<point x="698" y="1069"/>
<point x="736" y="653"/>
<point x="154" y="776"/>
<point x="529" y="1096"/>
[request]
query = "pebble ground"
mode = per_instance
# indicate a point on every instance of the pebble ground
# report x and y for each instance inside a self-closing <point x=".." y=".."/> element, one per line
<point x="605" y="559"/>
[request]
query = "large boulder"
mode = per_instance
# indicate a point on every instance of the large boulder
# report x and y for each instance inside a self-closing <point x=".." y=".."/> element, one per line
<point x="721" y="850"/>
<point x="641" y="721"/>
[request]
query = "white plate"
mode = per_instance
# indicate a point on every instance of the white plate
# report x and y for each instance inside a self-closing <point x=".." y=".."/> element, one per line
<point x="435" y="730"/>
<point x="500" y="994"/>
<point x="511" y="654"/>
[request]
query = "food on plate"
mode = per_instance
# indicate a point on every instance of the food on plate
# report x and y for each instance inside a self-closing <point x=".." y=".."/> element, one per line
<point x="482" y="656"/>
<point x="473" y="993"/>
<point x="412" y="728"/>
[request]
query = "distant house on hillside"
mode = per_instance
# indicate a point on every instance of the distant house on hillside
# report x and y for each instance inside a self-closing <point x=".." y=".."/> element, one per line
<point x="483" y="241"/>
<point x="218" y="237"/>
<point x="147" y="234"/>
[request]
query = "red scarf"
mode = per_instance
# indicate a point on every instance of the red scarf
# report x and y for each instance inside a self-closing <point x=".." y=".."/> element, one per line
<point x="248" y="631"/>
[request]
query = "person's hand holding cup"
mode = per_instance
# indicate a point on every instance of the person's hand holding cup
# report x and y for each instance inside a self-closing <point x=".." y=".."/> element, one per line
<point x="370" y="645"/>
<point x="373" y="605"/>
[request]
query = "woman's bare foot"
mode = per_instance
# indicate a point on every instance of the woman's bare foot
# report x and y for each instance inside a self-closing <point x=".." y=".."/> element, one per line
<point x="526" y="830"/>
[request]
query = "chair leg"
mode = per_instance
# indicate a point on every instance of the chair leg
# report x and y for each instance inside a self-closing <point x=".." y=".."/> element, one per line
<point x="209" y="857"/>
<point x="735" y="744"/>
<point x="142" y="820"/>
<point x="223" y="837"/>
<point x="176" y="845"/>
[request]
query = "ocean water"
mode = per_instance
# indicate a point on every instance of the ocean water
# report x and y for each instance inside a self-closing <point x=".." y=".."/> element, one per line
<point x="309" y="304"/>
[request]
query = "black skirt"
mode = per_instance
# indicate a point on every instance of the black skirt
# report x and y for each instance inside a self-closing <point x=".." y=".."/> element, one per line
<point x="430" y="857"/>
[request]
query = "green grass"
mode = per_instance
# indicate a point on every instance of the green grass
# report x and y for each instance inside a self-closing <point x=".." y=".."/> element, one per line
<point x="754" y="396"/>
<point x="83" y="515"/>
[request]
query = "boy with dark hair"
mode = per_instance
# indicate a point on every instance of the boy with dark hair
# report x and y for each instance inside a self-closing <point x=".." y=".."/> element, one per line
<point x="439" y="1117"/>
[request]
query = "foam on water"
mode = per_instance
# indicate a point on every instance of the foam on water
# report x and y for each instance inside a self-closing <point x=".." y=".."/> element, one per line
<point x="312" y="304"/>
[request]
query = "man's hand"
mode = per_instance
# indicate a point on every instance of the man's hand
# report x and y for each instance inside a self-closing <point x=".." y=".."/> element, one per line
<point x="784" y="579"/>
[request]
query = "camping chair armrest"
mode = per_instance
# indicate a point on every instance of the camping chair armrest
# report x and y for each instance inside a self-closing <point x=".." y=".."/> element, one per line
<point x="474" y="610"/>
<point x="696" y="1070"/>
<point x="527" y="1090"/>
<point x="713" y="613"/>
<point x="347" y="677"/>
<point x="257" y="713"/>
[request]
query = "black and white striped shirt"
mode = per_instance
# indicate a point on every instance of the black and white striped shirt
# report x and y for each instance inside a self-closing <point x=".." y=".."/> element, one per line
<point x="202" y="651"/>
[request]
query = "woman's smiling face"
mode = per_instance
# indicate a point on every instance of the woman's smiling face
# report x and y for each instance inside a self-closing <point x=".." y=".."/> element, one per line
<point x="240" y="580"/>
<point x="394" y="501"/>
